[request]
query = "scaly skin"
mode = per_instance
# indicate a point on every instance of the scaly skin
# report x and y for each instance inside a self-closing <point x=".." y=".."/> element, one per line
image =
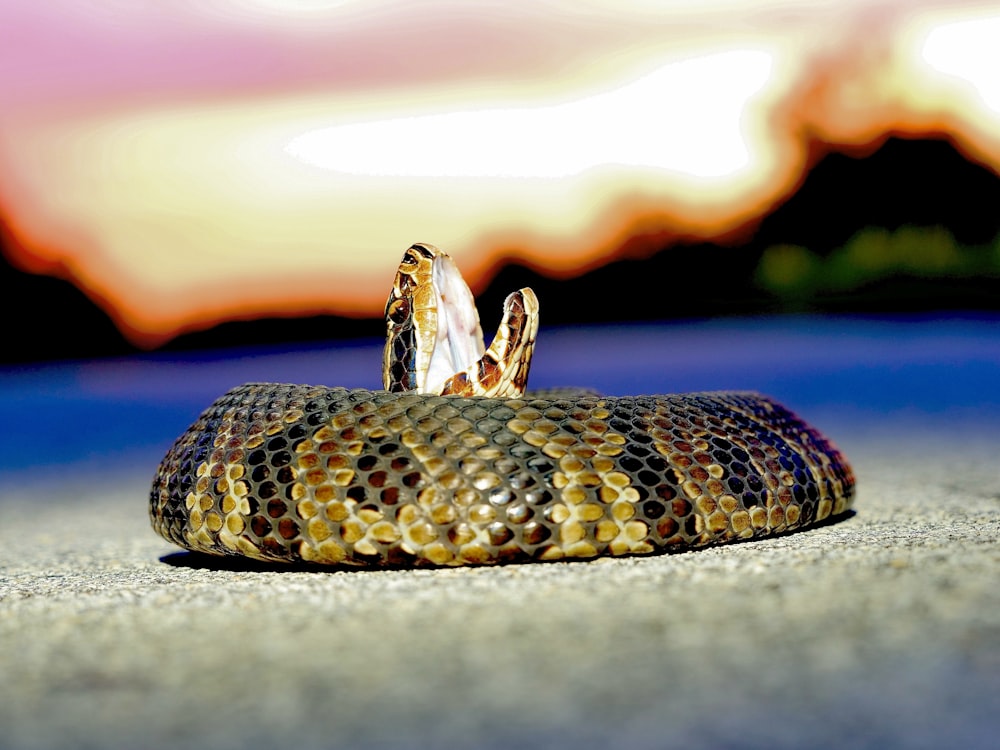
<point x="296" y="473"/>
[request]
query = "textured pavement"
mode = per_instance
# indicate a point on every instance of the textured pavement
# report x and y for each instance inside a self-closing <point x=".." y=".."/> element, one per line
<point x="882" y="630"/>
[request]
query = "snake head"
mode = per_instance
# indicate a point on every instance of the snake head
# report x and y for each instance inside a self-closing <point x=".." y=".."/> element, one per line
<point x="434" y="342"/>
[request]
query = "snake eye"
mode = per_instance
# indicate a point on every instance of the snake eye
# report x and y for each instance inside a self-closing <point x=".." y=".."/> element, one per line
<point x="410" y="260"/>
<point x="399" y="310"/>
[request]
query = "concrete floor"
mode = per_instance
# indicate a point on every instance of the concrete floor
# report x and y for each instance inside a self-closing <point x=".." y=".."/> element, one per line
<point x="882" y="630"/>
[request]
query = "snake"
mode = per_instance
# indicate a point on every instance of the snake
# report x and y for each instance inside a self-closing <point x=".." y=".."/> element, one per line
<point x="455" y="463"/>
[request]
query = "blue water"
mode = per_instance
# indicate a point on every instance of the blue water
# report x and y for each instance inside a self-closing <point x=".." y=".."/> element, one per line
<point x="837" y="369"/>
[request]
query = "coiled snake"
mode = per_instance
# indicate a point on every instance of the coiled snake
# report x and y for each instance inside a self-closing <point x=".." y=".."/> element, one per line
<point x="452" y="465"/>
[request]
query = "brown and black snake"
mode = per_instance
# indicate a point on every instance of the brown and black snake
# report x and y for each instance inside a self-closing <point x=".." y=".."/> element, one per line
<point x="453" y="464"/>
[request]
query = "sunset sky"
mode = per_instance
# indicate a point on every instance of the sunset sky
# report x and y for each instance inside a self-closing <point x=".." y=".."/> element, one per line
<point x="191" y="162"/>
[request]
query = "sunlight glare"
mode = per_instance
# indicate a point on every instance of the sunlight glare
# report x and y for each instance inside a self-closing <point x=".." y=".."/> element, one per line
<point x="684" y="117"/>
<point x="968" y="50"/>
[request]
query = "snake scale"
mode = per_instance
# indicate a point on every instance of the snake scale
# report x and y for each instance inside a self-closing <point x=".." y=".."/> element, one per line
<point x="453" y="464"/>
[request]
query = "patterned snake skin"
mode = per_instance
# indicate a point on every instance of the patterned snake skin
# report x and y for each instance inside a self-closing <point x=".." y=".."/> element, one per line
<point x="481" y="473"/>
<point x="328" y="475"/>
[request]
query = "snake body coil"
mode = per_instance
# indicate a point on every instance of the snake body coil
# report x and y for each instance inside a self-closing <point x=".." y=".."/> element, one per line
<point x="329" y="475"/>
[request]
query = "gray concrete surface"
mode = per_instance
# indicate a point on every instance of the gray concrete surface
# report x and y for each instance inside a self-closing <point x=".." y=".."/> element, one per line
<point x="880" y="631"/>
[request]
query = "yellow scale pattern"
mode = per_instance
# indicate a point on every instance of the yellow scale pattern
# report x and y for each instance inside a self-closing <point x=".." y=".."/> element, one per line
<point x="354" y="477"/>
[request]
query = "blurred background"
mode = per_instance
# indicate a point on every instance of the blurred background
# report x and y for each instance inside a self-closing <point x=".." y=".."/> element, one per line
<point x="798" y="197"/>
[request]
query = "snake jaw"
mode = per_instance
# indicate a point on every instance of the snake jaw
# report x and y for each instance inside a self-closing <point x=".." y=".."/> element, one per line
<point x="503" y="370"/>
<point x="458" y="340"/>
<point x="434" y="341"/>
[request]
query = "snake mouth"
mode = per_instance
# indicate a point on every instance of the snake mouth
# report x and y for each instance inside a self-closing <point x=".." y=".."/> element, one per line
<point x="434" y="341"/>
<point x="458" y="343"/>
